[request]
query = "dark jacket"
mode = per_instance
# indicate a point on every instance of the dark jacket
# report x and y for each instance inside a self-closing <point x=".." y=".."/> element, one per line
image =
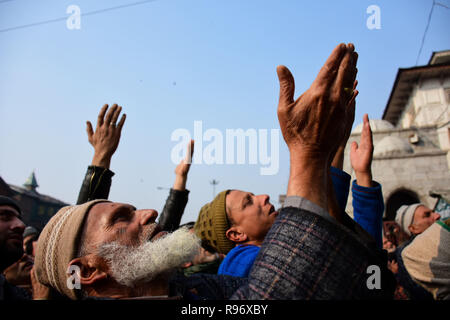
<point x="305" y="256"/>
<point x="97" y="183"/>
<point x="173" y="210"/>
<point x="412" y="289"/>
<point x="9" y="292"/>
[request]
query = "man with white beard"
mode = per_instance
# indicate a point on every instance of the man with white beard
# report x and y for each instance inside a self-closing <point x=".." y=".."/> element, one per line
<point x="115" y="250"/>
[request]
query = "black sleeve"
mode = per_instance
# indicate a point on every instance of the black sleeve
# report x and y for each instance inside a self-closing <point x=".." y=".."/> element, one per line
<point x="96" y="184"/>
<point x="207" y="286"/>
<point x="173" y="210"/>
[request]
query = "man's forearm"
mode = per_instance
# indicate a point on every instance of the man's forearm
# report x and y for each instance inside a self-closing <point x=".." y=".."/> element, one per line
<point x="308" y="179"/>
<point x="100" y="160"/>
<point x="180" y="182"/>
<point x="364" y="179"/>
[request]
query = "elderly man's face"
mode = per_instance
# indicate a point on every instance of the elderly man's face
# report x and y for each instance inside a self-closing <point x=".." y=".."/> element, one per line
<point x="424" y="217"/>
<point x="126" y="250"/>
<point x="11" y="240"/>
<point x="123" y="223"/>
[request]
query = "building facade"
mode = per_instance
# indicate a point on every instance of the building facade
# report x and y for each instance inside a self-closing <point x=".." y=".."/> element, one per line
<point x="37" y="209"/>
<point x="411" y="157"/>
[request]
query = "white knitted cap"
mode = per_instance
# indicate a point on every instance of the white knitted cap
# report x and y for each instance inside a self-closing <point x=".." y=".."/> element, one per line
<point x="405" y="216"/>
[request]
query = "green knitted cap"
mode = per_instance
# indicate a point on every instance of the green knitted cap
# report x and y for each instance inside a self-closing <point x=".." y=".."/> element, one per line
<point x="212" y="223"/>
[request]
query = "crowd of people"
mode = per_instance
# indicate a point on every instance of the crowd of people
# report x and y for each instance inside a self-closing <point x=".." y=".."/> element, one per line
<point x="240" y="246"/>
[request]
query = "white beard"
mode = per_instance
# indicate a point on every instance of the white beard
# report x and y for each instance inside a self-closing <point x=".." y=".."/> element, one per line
<point x="135" y="265"/>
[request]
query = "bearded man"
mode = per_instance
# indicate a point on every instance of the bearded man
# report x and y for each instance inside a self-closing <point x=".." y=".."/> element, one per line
<point x="115" y="251"/>
<point x="11" y="246"/>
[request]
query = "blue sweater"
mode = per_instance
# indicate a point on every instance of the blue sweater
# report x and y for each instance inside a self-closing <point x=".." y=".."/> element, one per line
<point x="368" y="203"/>
<point x="239" y="261"/>
<point x="368" y="207"/>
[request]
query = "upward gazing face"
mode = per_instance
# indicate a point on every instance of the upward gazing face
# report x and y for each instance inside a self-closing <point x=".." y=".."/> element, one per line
<point x="253" y="215"/>
<point x="11" y="230"/>
<point x="120" y="256"/>
<point x="424" y="217"/>
<point x="123" y="223"/>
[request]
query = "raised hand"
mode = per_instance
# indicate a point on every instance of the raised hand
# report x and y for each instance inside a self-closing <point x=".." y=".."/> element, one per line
<point x="106" y="137"/>
<point x="182" y="170"/>
<point x="315" y="124"/>
<point x="338" y="159"/>
<point x="361" y="156"/>
<point x="317" y="121"/>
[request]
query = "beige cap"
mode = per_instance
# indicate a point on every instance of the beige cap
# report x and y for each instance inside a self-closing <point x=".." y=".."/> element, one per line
<point x="58" y="245"/>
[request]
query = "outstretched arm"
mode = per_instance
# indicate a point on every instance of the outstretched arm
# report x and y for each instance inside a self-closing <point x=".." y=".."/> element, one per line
<point x="106" y="137"/>
<point x="306" y="253"/>
<point x="368" y="204"/>
<point x="361" y="156"/>
<point x="314" y="125"/>
<point x="178" y="196"/>
<point x="182" y="170"/>
<point x="105" y="141"/>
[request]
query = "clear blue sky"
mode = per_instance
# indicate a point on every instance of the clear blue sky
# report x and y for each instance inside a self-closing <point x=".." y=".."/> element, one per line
<point x="171" y="62"/>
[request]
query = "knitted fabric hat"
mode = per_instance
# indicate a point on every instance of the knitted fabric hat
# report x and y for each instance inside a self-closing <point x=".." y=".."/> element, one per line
<point x="427" y="259"/>
<point x="29" y="231"/>
<point x="405" y="216"/>
<point x="58" y="244"/>
<point x="212" y="223"/>
<point x="6" y="201"/>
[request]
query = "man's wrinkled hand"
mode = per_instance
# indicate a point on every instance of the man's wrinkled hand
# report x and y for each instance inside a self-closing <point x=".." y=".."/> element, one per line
<point x="314" y="125"/>
<point x="106" y="137"/>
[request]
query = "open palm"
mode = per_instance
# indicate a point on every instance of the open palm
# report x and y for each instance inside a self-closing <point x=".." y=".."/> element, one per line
<point x="361" y="156"/>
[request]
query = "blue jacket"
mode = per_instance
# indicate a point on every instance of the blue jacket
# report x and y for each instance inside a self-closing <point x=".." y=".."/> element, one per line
<point x="239" y="261"/>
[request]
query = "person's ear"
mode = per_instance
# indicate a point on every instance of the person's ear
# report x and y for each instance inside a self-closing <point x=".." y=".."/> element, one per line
<point x="234" y="234"/>
<point x="90" y="270"/>
<point x="413" y="229"/>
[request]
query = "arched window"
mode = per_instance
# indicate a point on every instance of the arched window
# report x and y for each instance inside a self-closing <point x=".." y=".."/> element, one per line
<point x="398" y="198"/>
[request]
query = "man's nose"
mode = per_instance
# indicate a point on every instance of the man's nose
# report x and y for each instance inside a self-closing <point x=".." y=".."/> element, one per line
<point x="147" y="216"/>
<point x="18" y="225"/>
<point x="264" y="199"/>
<point x="437" y="216"/>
